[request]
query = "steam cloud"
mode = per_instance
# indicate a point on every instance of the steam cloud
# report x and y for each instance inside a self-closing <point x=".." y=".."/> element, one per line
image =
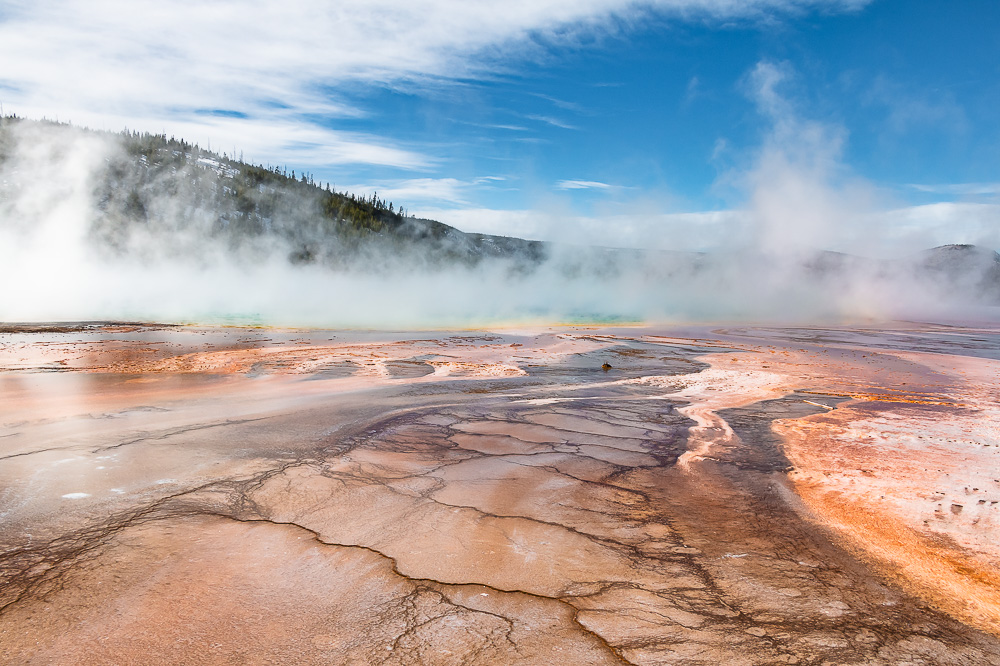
<point x="66" y="260"/>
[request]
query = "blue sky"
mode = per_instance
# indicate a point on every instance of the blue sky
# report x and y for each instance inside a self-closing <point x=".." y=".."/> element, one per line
<point x="842" y="123"/>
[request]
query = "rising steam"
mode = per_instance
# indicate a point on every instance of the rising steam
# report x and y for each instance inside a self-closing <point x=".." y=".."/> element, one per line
<point x="83" y="238"/>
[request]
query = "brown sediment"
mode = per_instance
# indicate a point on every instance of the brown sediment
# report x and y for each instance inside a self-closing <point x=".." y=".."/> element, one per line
<point x="298" y="506"/>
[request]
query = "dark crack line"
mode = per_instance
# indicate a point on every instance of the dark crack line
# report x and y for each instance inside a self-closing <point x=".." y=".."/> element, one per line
<point x="145" y="438"/>
<point x="633" y="551"/>
<point x="394" y="565"/>
<point x="411" y="629"/>
<point x="48" y="561"/>
<point x="379" y="431"/>
<point x="44" y="562"/>
<point x="178" y="431"/>
<point x="72" y="447"/>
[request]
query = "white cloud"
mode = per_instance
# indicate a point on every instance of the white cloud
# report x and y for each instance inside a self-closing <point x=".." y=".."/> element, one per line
<point x="447" y="191"/>
<point x="528" y="224"/>
<point x="762" y="84"/>
<point x="692" y="90"/>
<point x="666" y="231"/>
<point x="154" y="64"/>
<point x="895" y="232"/>
<point x="555" y="122"/>
<point x="561" y="103"/>
<point x="909" y="109"/>
<point x="936" y="224"/>
<point x="958" y="189"/>
<point x="581" y="185"/>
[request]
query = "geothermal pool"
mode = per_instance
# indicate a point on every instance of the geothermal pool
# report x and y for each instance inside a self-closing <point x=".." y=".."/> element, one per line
<point x="731" y="495"/>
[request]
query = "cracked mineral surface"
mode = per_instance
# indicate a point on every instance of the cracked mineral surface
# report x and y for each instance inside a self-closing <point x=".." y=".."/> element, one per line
<point x="716" y="495"/>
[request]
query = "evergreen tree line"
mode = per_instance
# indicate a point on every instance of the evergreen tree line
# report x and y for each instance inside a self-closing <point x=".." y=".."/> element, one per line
<point x="158" y="194"/>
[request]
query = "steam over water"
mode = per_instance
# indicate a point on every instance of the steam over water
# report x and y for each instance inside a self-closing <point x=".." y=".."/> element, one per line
<point x="67" y="257"/>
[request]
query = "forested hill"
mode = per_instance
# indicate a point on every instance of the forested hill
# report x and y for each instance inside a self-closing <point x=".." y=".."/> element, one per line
<point x="128" y="199"/>
<point x="152" y="194"/>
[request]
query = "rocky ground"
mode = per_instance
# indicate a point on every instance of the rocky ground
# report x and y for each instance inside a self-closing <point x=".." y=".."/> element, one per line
<point x="718" y="495"/>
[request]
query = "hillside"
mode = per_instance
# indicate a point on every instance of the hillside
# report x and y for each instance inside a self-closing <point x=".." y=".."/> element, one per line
<point x="154" y="194"/>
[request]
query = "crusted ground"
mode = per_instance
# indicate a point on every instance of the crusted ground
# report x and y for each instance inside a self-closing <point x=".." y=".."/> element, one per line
<point x="231" y="496"/>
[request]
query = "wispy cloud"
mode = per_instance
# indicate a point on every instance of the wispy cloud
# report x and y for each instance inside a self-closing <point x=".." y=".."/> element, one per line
<point x="555" y="122"/>
<point x="958" y="189"/>
<point x="512" y="128"/>
<point x="425" y="192"/>
<point x="155" y="64"/>
<point x="907" y="229"/>
<point x="666" y="231"/>
<point x="275" y="139"/>
<point x="942" y="223"/>
<point x="561" y="103"/>
<point x="915" y="110"/>
<point x="692" y="91"/>
<point x="582" y="185"/>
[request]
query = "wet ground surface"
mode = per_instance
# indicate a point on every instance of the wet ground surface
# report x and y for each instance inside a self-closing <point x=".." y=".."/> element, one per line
<point x="178" y="495"/>
<point x="977" y="343"/>
<point x="756" y="445"/>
